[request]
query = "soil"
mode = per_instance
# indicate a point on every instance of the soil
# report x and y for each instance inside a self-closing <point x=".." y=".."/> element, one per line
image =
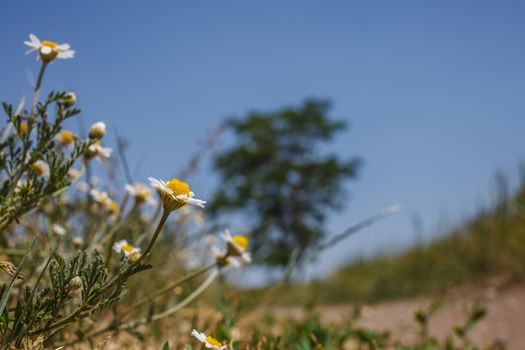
<point x="503" y="323"/>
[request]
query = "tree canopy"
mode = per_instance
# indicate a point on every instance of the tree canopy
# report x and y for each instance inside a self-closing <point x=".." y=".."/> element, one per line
<point x="278" y="175"/>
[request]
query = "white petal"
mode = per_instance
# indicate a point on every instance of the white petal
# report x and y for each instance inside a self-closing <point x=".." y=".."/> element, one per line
<point x="200" y="336"/>
<point x="63" y="47"/>
<point x="131" y="189"/>
<point x="66" y="54"/>
<point x="34" y="39"/>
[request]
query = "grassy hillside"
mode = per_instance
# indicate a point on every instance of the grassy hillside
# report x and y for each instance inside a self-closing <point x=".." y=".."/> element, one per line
<point x="490" y="245"/>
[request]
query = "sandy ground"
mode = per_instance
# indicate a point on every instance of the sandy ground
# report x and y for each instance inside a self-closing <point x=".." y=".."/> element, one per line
<point x="504" y="322"/>
<point x="505" y="319"/>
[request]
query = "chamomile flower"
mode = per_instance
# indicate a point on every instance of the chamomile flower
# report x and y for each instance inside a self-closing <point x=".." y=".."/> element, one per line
<point x="208" y="341"/>
<point x="237" y="246"/>
<point x="100" y="197"/>
<point x="40" y="168"/>
<point x="141" y="193"/>
<point x="113" y="208"/>
<point x="97" y="151"/>
<point x="97" y="130"/>
<point x="48" y="50"/>
<point x="65" y="138"/>
<point x="125" y="247"/>
<point x="175" y="194"/>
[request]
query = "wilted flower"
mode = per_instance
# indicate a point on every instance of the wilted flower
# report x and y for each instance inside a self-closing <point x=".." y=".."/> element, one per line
<point x="48" y="50"/>
<point x="97" y="130"/>
<point x="10" y="269"/>
<point x="124" y="246"/>
<point x="58" y="230"/>
<point x="141" y="193"/>
<point x="65" y="138"/>
<point x="208" y="341"/>
<point x="237" y="246"/>
<point x="175" y="194"/>
<point x="40" y="168"/>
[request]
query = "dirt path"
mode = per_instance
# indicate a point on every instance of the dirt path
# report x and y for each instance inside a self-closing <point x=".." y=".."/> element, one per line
<point x="505" y="320"/>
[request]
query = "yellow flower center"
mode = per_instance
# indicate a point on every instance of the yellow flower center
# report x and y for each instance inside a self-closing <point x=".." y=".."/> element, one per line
<point x="49" y="44"/>
<point x="113" y="208"/>
<point x="178" y="187"/>
<point x="24" y="128"/>
<point x="213" y="341"/>
<point x="241" y="241"/>
<point x="39" y="168"/>
<point x="128" y="248"/>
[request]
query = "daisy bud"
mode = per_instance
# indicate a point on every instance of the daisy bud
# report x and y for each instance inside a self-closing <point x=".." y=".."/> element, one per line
<point x="97" y="131"/>
<point x="69" y="100"/>
<point x="75" y="283"/>
<point x="23" y="128"/>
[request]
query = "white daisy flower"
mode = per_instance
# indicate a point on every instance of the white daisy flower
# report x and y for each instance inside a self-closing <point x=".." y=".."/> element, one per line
<point x="58" y="230"/>
<point x="48" y="50"/>
<point x="40" y="168"/>
<point x="237" y="246"/>
<point x="104" y="152"/>
<point x="97" y="151"/>
<point x="141" y="193"/>
<point x="124" y="246"/>
<point x="100" y="197"/>
<point x="175" y="194"/>
<point x="209" y="342"/>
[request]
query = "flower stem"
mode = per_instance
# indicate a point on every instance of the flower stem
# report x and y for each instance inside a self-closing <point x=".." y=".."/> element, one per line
<point x="38" y="85"/>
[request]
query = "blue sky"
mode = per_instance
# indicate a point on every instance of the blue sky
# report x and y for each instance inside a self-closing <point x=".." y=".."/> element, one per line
<point x="434" y="91"/>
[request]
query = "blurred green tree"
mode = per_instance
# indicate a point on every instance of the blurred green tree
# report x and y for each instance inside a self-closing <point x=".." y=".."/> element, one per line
<point x="276" y="174"/>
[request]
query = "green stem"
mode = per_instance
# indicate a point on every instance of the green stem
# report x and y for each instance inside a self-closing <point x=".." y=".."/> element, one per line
<point x="38" y="85"/>
<point x="162" y="221"/>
